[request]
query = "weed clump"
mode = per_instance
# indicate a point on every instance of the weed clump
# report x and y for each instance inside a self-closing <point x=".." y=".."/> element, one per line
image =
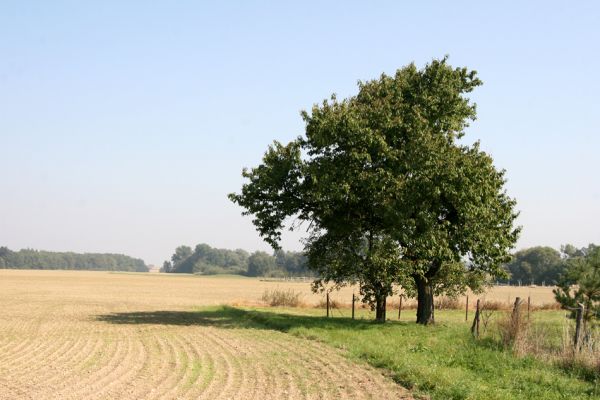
<point x="513" y="329"/>
<point x="282" y="298"/>
<point x="523" y="337"/>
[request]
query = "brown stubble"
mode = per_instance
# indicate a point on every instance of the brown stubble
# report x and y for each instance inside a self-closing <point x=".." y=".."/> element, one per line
<point x="57" y="342"/>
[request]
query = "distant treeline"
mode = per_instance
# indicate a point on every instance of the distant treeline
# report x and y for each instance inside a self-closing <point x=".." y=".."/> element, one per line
<point x="36" y="259"/>
<point x="542" y="265"/>
<point x="207" y="260"/>
<point x="535" y="265"/>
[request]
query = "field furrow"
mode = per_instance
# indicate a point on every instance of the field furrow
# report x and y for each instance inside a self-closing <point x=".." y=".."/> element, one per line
<point x="81" y="335"/>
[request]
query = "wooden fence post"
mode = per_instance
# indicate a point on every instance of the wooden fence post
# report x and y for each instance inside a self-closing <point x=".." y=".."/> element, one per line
<point x="327" y="301"/>
<point x="353" y="300"/>
<point x="475" y="326"/>
<point x="478" y="317"/>
<point x="400" y="308"/>
<point x="579" y="327"/>
<point x="515" y="311"/>
<point x="467" y="309"/>
<point x="528" y="306"/>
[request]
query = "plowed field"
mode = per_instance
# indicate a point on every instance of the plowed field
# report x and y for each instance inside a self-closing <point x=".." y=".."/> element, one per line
<point x="93" y="335"/>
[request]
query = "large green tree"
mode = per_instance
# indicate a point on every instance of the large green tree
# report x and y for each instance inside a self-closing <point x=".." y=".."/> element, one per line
<point x="536" y="265"/>
<point x="261" y="264"/>
<point x="390" y="194"/>
<point x="180" y="255"/>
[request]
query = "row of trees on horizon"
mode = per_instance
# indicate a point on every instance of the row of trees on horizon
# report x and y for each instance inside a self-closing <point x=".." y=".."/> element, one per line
<point x="206" y="260"/>
<point x="538" y="265"/>
<point x="534" y="265"/>
<point x="39" y="259"/>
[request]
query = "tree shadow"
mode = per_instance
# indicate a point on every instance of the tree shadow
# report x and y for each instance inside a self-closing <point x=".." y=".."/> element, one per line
<point x="231" y="318"/>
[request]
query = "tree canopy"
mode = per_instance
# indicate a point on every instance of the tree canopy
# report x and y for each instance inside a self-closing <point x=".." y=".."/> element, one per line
<point x="390" y="194"/>
<point x="536" y="265"/>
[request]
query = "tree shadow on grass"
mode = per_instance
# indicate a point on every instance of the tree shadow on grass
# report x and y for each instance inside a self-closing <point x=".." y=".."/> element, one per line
<point x="231" y="317"/>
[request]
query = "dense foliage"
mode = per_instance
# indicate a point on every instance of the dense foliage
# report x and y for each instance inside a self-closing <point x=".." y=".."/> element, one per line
<point x="207" y="260"/>
<point x="580" y="282"/>
<point x="535" y="265"/>
<point x="36" y="259"/>
<point x="390" y="194"/>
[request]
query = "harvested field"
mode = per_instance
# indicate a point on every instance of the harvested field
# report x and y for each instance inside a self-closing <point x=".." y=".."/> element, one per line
<point x="95" y="335"/>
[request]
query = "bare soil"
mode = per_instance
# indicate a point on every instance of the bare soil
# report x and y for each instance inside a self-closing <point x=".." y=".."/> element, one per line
<point x="97" y="335"/>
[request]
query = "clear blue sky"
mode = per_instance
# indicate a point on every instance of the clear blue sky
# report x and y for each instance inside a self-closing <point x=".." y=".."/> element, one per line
<point x="124" y="124"/>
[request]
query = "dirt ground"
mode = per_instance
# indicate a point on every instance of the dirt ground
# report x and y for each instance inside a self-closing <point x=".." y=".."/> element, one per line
<point x="98" y="335"/>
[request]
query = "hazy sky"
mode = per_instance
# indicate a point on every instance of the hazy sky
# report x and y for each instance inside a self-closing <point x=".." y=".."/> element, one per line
<point x="124" y="124"/>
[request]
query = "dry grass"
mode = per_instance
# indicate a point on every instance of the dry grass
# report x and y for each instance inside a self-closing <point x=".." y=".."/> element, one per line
<point x="333" y="303"/>
<point x="547" y="306"/>
<point x="513" y="329"/>
<point x="587" y="356"/>
<point x="282" y="298"/>
<point x="95" y="335"/>
<point x="407" y="304"/>
<point x="189" y="290"/>
<point x="448" y="303"/>
<point x="521" y="333"/>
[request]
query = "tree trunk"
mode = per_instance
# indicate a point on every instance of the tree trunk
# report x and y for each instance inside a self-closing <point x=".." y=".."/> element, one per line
<point x="380" y="306"/>
<point x="424" y="301"/>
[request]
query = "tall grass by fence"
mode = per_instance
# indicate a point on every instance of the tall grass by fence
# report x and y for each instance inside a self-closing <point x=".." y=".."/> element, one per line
<point x="569" y="343"/>
<point x="514" y="326"/>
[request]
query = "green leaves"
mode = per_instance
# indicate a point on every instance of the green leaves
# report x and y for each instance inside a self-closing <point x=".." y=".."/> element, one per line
<point x="273" y="192"/>
<point x="385" y="187"/>
<point x="580" y="284"/>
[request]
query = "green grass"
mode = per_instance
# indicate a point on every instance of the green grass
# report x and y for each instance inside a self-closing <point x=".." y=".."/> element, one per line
<point x="442" y="361"/>
<point x="196" y="370"/>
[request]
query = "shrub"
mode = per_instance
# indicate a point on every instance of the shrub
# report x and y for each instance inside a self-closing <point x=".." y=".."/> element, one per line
<point x="281" y="298"/>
